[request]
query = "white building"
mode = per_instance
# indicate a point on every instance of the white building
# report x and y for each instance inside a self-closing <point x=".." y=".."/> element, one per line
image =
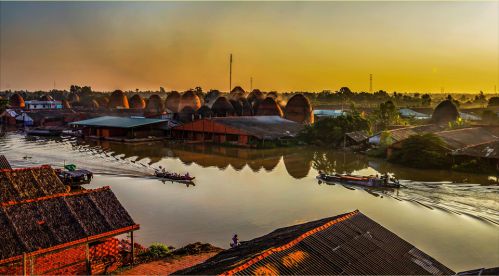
<point x="36" y="104"/>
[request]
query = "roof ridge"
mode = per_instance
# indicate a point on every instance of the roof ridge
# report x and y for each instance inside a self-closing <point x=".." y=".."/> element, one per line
<point x="290" y="244"/>
<point x="26" y="169"/>
<point x="11" y="203"/>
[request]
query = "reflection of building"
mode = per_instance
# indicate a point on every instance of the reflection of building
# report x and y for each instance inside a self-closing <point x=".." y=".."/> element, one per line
<point x="348" y="244"/>
<point x="237" y="130"/>
<point x="45" y="230"/>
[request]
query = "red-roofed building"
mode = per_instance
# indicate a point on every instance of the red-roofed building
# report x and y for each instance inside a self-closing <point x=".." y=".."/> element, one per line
<point x="46" y="230"/>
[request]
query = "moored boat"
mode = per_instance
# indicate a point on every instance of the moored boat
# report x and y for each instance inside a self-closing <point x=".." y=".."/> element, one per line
<point x="365" y="181"/>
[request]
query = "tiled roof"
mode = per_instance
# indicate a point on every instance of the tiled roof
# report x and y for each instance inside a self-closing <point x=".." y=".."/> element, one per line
<point x="120" y="122"/>
<point x="4" y="163"/>
<point x="28" y="183"/>
<point x="51" y="221"/>
<point x="350" y="244"/>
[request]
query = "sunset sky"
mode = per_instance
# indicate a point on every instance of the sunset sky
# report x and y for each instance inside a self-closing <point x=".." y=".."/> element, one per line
<point x="284" y="46"/>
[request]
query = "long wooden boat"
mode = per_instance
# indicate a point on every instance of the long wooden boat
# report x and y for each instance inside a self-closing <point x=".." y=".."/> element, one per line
<point x="174" y="177"/>
<point x="365" y="181"/>
<point x="41" y="131"/>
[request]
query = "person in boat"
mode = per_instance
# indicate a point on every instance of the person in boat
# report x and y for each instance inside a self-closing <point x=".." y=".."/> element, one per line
<point x="322" y="174"/>
<point x="235" y="241"/>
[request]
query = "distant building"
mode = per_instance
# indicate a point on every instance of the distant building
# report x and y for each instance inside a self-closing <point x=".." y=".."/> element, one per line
<point x="111" y="127"/>
<point x="399" y="134"/>
<point x="38" y="104"/>
<point x="244" y="130"/>
<point x="46" y="230"/>
<point x="348" y="244"/>
<point x="328" y="113"/>
<point x="409" y="113"/>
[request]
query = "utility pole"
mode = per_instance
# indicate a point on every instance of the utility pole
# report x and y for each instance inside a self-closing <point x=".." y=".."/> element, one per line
<point x="230" y="73"/>
<point x="251" y="83"/>
<point x="370" y="83"/>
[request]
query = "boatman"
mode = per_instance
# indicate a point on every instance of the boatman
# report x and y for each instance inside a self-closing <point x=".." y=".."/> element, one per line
<point x="235" y="241"/>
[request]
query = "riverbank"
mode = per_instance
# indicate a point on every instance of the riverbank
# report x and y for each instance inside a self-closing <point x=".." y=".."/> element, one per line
<point x="182" y="258"/>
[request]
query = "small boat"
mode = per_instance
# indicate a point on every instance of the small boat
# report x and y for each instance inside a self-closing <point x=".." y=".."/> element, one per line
<point x="174" y="177"/>
<point x="73" y="177"/>
<point x="365" y="181"/>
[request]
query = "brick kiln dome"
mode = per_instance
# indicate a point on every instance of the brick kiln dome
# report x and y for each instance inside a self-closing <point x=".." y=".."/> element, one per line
<point x="256" y="96"/>
<point x="16" y="100"/>
<point x="65" y="104"/>
<point x="247" y="108"/>
<point x="74" y="98"/>
<point x="136" y="102"/>
<point x="173" y="101"/>
<point x="299" y="109"/>
<point x="155" y="105"/>
<point x="103" y="101"/>
<point x="273" y="95"/>
<point x="46" y="98"/>
<point x="269" y="107"/>
<point x="445" y="112"/>
<point x="189" y="98"/>
<point x="118" y="99"/>
<point x="222" y="108"/>
<point x="187" y="114"/>
<point x="204" y="112"/>
<point x="238" y="106"/>
<point x="237" y="93"/>
<point x="211" y="97"/>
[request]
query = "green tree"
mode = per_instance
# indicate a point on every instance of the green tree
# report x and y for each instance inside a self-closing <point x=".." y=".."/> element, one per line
<point x="423" y="151"/>
<point x="386" y="114"/>
<point x="331" y="131"/>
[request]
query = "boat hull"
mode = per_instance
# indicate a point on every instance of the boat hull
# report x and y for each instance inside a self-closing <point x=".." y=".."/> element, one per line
<point x="333" y="179"/>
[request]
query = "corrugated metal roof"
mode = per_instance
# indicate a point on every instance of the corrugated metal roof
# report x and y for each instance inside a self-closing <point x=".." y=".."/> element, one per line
<point x="358" y="136"/>
<point x="466" y="137"/>
<point x="406" y="112"/>
<point x="350" y="244"/>
<point x="485" y="150"/>
<point x="119" y="122"/>
<point x="263" y="127"/>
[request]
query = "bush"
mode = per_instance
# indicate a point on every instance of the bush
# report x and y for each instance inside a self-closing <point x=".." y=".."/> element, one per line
<point x="331" y="131"/>
<point x="422" y="151"/>
<point x="156" y="251"/>
<point x="474" y="166"/>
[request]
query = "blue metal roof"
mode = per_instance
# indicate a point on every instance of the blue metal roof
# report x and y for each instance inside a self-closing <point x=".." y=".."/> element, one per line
<point x="119" y="122"/>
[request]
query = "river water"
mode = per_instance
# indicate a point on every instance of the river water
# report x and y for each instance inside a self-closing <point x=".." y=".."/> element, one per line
<point x="454" y="217"/>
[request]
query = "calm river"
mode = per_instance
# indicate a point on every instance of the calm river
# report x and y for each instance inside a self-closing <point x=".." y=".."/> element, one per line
<point x="454" y="217"/>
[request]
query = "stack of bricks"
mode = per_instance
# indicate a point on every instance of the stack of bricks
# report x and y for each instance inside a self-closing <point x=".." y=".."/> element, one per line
<point x="69" y="261"/>
<point x="105" y="255"/>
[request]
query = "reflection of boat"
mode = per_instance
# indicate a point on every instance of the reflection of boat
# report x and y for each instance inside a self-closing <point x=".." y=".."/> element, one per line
<point x="45" y="131"/>
<point x="365" y="181"/>
<point x="174" y="177"/>
<point x="75" y="177"/>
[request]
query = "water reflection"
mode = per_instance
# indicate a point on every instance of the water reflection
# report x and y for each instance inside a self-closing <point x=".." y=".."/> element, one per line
<point x="279" y="188"/>
<point x="297" y="161"/>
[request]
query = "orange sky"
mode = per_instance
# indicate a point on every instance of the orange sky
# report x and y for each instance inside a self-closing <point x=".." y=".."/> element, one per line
<point x="284" y="46"/>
